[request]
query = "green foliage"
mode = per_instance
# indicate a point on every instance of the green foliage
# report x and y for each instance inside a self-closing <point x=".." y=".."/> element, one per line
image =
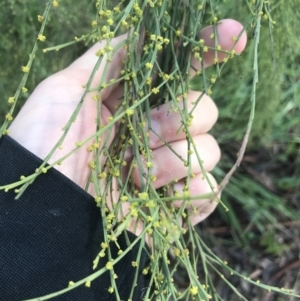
<point x="276" y="125"/>
<point x="278" y="53"/>
<point x="271" y="245"/>
<point x="19" y="30"/>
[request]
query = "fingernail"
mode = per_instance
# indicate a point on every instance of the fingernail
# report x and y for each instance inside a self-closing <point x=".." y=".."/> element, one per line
<point x="155" y="132"/>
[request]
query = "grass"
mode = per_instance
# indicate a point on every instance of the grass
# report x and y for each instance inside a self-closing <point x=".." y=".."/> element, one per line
<point x="263" y="195"/>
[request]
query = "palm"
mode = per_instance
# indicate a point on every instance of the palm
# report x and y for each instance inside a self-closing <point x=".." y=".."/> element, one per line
<point x="40" y="123"/>
<point x="42" y="120"/>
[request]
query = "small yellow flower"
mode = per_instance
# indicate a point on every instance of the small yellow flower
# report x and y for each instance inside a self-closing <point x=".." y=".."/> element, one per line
<point x="104" y="245"/>
<point x="71" y="283"/>
<point x="153" y="178"/>
<point x="108" y="13"/>
<point x="96" y="97"/>
<point x="124" y="23"/>
<point x="149" y="164"/>
<point x="98" y="199"/>
<point x="109" y="265"/>
<point x="177" y="252"/>
<point x="133" y="211"/>
<point x="94" y="23"/>
<point x="100" y="52"/>
<point x="24" y="89"/>
<point x="149" y="66"/>
<point x="150" y="231"/>
<point x="87" y="284"/>
<point x="155" y="90"/>
<point x="143" y="195"/>
<point x="110" y="21"/>
<point x="117" y="9"/>
<point x="41" y="38"/>
<point x="111" y="289"/>
<point x="160" y="39"/>
<point x="214" y="19"/>
<point x="108" y="48"/>
<point x="55" y="3"/>
<point x="8" y="117"/>
<point x="102" y="175"/>
<point x="149" y="81"/>
<point x="25" y="69"/>
<point x="40" y="18"/>
<point x="166" y="41"/>
<point x="197" y="55"/>
<point x="153" y="37"/>
<point x="129" y="112"/>
<point x="11" y="100"/>
<point x="96" y="145"/>
<point x="151" y="204"/>
<point x="151" y="4"/>
<point x="194" y="290"/>
<point x="124" y="198"/>
<point x="134" y="264"/>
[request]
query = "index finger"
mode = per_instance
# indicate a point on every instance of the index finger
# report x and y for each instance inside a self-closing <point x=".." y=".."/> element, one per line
<point x="228" y="31"/>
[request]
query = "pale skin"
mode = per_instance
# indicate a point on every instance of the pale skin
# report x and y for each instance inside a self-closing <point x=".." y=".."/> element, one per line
<point x="39" y="124"/>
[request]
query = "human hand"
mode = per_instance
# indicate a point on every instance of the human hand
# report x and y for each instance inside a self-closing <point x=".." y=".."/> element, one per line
<point x="39" y="124"/>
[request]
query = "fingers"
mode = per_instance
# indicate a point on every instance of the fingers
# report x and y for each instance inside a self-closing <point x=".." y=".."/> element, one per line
<point x="228" y="30"/>
<point x="166" y="125"/>
<point x="198" y="209"/>
<point x="170" y="163"/>
<point x="83" y="66"/>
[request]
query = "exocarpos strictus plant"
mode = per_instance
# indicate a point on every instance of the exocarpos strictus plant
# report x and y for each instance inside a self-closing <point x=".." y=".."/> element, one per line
<point x="161" y="58"/>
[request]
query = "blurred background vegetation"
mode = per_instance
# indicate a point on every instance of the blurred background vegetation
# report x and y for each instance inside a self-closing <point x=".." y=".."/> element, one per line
<point x="260" y="232"/>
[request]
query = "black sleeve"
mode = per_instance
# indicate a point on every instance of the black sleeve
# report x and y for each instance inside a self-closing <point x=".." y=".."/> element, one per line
<point x="52" y="234"/>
